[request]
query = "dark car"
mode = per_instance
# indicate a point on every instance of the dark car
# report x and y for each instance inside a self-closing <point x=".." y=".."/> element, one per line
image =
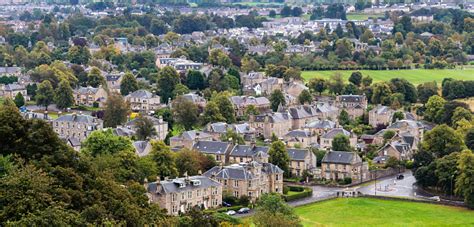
<point x="400" y="177"/>
<point x="226" y="204"/>
<point x="243" y="210"/>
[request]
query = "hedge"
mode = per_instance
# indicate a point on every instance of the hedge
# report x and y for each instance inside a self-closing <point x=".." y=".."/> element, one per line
<point x="303" y="193"/>
<point x="225" y="209"/>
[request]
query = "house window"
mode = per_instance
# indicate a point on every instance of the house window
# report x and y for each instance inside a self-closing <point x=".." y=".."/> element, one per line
<point x="225" y="182"/>
<point x="214" y="191"/>
<point x="198" y="193"/>
<point x="236" y="194"/>
<point x="190" y="194"/>
<point x="250" y="194"/>
<point x="175" y="209"/>
<point x="173" y="197"/>
<point x="182" y="196"/>
<point x="250" y="184"/>
<point x="236" y="183"/>
<point x="277" y="176"/>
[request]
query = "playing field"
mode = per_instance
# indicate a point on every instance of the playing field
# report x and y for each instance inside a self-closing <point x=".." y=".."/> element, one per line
<point x="362" y="16"/>
<point x="415" y="76"/>
<point x="375" y="212"/>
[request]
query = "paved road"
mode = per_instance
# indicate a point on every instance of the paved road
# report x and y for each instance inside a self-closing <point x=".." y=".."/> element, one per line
<point x="390" y="186"/>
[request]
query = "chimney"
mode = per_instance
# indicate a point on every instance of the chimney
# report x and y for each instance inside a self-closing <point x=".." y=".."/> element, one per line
<point x="158" y="179"/>
<point x="145" y="183"/>
<point x="199" y="172"/>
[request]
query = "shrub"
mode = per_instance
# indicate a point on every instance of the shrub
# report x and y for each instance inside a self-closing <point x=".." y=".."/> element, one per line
<point x="225" y="209"/>
<point x="95" y="105"/>
<point x="285" y="190"/>
<point x="303" y="192"/>
<point x="347" y="180"/>
<point x="244" y="200"/>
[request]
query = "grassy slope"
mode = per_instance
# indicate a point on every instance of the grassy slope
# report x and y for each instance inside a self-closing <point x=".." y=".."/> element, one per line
<point x="374" y="212"/>
<point x="416" y="76"/>
<point x="362" y="16"/>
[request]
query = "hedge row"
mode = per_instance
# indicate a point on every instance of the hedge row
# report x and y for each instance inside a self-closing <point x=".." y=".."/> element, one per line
<point x="225" y="209"/>
<point x="307" y="192"/>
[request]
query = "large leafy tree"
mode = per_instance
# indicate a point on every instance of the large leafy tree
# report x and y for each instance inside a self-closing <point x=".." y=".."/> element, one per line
<point x="465" y="180"/>
<point x="164" y="159"/>
<point x="434" y="109"/>
<point x="45" y="94"/>
<point x="426" y="90"/>
<point x="185" y="112"/>
<point x="273" y="211"/>
<point x="144" y="128"/>
<point x="279" y="156"/>
<point x="95" y="78"/>
<point x="442" y="140"/>
<point x="105" y="142"/>
<point x="225" y="106"/>
<point x="318" y="85"/>
<point x="167" y="81"/>
<point x="19" y="100"/>
<point x="276" y="99"/>
<point x="356" y="78"/>
<point x="129" y="84"/>
<point x="64" y="95"/>
<point x="211" y="114"/>
<point x="116" y="110"/>
<point x="341" y="143"/>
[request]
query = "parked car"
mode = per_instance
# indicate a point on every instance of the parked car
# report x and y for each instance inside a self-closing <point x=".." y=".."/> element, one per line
<point x="226" y="204"/>
<point x="400" y="177"/>
<point x="244" y="210"/>
<point x="230" y="212"/>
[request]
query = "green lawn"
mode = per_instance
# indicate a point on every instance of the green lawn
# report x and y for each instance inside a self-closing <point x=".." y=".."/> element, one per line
<point x="416" y="76"/>
<point x="375" y="212"/>
<point x="362" y="16"/>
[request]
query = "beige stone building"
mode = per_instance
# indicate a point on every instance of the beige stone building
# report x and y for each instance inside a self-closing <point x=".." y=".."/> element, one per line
<point x="301" y="160"/>
<point x="248" y="153"/>
<point x="380" y="115"/>
<point x="188" y="138"/>
<point x="143" y="101"/>
<point x="181" y="194"/>
<point x="340" y="164"/>
<point x="278" y="123"/>
<point x="217" y="149"/>
<point x="355" y="105"/>
<point x="87" y="96"/>
<point x="251" y="179"/>
<point x="300" y="138"/>
<point x="241" y="103"/>
<point x="76" y="126"/>
<point x="11" y="90"/>
<point x="327" y="138"/>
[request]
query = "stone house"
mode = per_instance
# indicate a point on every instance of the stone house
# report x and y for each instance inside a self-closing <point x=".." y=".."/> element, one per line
<point x="355" y="105"/>
<point x="143" y="101"/>
<point x="113" y="81"/>
<point x="252" y="78"/>
<point x="161" y="126"/>
<point x="414" y="128"/>
<point x="294" y="88"/>
<point x="181" y="194"/>
<point x="196" y="99"/>
<point x="11" y="90"/>
<point x="187" y="139"/>
<point x="300" y="138"/>
<point x="278" y="123"/>
<point x="218" y="149"/>
<point x="241" y="103"/>
<point x="142" y="148"/>
<point x="337" y="165"/>
<point x="320" y="127"/>
<point x="76" y="126"/>
<point x="248" y="153"/>
<point x="301" y="160"/>
<point x="327" y="138"/>
<point x="398" y="149"/>
<point x="380" y="115"/>
<point x="302" y="114"/>
<point x="271" y="84"/>
<point x="251" y="179"/>
<point x="87" y="96"/>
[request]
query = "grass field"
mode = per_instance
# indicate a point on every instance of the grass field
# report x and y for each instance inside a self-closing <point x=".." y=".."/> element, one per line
<point x="374" y="212"/>
<point x="362" y="16"/>
<point x="415" y="76"/>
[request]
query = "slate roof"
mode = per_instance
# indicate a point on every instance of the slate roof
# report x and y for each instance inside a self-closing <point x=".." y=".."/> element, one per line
<point x="141" y="94"/>
<point x="381" y="109"/>
<point x="351" y="98"/>
<point x="218" y="127"/>
<point x="241" y="171"/>
<point x="122" y="131"/>
<point x="211" y="147"/>
<point x="298" y="133"/>
<point x="86" y="90"/>
<point x="193" y="134"/>
<point x="340" y="157"/>
<point x="334" y="132"/>
<point x="249" y="100"/>
<point x="76" y="118"/>
<point x="140" y="148"/>
<point x="297" y="154"/>
<point x="173" y="186"/>
<point x="248" y="151"/>
<point x="321" y="124"/>
<point x="13" y="87"/>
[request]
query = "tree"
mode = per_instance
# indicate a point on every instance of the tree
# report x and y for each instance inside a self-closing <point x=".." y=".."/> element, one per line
<point x="64" y="95"/>
<point x="341" y="143"/>
<point x="336" y="84"/>
<point x="447" y="171"/>
<point x="164" y="159"/>
<point x="356" y="78"/>
<point x="180" y="89"/>
<point x="249" y="65"/>
<point x="95" y="78"/>
<point x="392" y="162"/>
<point x="158" y="27"/>
<point x="366" y="81"/>
<point x="144" y="128"/>
<point x="442" y="140"/>
<point x="381" y="93"/>
<point x="116" y="110"/>
<point x="278" y="156"/>
<point x="195" y="80"/>
<point x="102" y="142"/>
<point x="318" y="85"/>
<point x="285" y="11"/>
<point x="344" y="118"/>
<point x="211" y="114"/>
<point x="425" y="175"/>
<point x="272" y="13"/>
<point x="19" y="100"/>
<point x="185" y="112"/>
<point x="397" y="116"/>
<point x="469" y="139"/>
<point x="233" y="136"/>
<point x="225" y="106"/>
<point x="426" y="90"/>
<point x="276" y="99"/>
<point x="434" y="109"/>
<point x="273" y="211"/>
<point x="465" y="180"/>
<point x="459" y="114"/>
<point x="129" y="84"/>
<point x="187" y="161"/>
<point x="305" y="97"/>
<point x="79" y="55"/>
<point x="404" y="87"/>
<point x="45" y="94"/>
<point x="167" y="81"/>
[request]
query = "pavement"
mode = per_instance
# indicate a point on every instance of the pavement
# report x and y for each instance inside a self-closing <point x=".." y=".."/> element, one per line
<point x="390" y="186"/>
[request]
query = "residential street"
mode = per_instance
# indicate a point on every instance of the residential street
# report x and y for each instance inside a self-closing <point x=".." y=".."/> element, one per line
<point x="390" y="186"/>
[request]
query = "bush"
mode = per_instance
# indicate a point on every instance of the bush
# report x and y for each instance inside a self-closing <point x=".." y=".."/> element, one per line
<point x="225" y="209"/>
<point x="296" y="188"/>
<point x="244" y="200"/>
<point x="230" y="199"/>
<point x="347" y="180"/>
<point x="95" y="105"/>
<point x="285" y="190"/>
<point x="226" y="218"/>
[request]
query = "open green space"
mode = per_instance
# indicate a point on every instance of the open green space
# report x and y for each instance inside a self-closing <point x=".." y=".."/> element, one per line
<point x="362" y="16"/>
<point x="376" y="212"/>
<point x="415" y="76"/>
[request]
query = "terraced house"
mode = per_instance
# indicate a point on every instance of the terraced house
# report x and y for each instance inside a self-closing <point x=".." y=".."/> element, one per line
<point x="250" y="179"/>
<point x="76" y="126"/>
<point x="181" y="194"/>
